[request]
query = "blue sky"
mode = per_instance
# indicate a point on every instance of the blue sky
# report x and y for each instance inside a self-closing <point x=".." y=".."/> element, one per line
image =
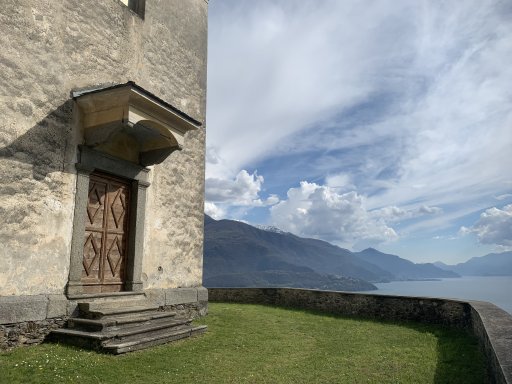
<point x="377" y="123"/>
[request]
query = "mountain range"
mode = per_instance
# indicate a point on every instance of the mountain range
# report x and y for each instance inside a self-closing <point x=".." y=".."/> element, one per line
<point x="493" y="264"/>
<point x="238" y="254"/>
<point x="403" y="269"/>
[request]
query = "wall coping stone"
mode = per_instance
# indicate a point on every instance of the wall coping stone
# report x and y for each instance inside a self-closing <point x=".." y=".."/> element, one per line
<point x="176" y="296"/>
<point x="491" y="325"/>
<point x="14" y="309"/>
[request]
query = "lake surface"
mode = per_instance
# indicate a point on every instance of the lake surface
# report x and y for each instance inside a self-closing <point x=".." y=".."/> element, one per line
<point x="495" y="289"/>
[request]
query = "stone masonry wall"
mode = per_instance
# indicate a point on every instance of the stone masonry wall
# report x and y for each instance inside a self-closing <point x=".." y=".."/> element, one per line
<point x="396" y="308"/>
<point x="48" y="49"/>
<point x="27" y="332"/>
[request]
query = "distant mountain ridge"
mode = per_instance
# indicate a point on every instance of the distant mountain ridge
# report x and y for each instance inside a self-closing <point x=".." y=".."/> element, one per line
<point x="403" y="269"/>
<point x="238" y="254"/>
<point x="269" y="228"/>
<point x="492" y="264"/>
<point x="288" y="279"/>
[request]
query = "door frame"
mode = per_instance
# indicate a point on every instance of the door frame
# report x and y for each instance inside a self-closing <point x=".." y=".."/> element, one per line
<point x="90" y="160"/>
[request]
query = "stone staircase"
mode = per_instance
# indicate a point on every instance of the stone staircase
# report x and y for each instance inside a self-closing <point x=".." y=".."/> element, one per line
<point x="118" y="324"/>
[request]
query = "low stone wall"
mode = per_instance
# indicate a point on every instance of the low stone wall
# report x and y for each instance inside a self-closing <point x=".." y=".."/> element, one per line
<point x="186" y="302"/>
<point x="490" y="324"/>
<point x="26" y="320"/>
<point x="493" y="328"/>
<point x="27" y="332"/>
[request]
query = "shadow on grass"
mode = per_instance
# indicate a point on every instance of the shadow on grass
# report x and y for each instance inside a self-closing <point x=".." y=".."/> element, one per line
<point x="460" y="358"/>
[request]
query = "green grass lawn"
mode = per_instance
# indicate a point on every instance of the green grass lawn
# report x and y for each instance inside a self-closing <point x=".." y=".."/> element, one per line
<point x="259" y="344"/>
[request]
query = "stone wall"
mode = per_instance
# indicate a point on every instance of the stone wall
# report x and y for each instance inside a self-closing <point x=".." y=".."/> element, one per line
<point x="27" y="332"/>
<point x="396" y="308"/>
<point x="26" y="320"/>
<point x="50" y="48"/>
<point x="493" y="328"/>
<point x="490" y="324"/>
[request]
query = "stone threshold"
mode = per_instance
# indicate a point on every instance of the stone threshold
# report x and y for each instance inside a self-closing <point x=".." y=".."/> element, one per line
<point x="86" y="296"/>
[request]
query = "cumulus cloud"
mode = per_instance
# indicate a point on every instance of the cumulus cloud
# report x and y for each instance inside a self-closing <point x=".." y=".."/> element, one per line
<point x="243" y="190"/>
<point x="321" y="212"/>
<point x="212" y="210"/>
<point x="493" y="227"/>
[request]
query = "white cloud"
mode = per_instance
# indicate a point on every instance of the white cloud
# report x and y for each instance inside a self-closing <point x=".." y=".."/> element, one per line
<point x="426" y="210"/>
<point x="242" y="191"/>
<point x="340" y="181"/>
<point x="321" y="212"/>
<point x="393" y="213"/>
<point x="451" y="238"/>
<point x="493" y="227"/>
<point x="212" y="210"/>
<point x="212" y="157"/>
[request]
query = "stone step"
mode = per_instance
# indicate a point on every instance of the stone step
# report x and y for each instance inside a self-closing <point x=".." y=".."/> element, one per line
<point x="134" y="338"/>
<point x="123" y="321"/>
<point x="135" y="333"/>
<point x="111" y="313"/>
<point x="107" y="296"/>
<point x="89" y="306"/>
<point x="118" y="347"/>
<point x="124" y="334"/>
<point x="88" y="340"/>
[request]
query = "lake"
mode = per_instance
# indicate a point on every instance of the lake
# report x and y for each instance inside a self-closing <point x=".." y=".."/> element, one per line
<point x="495" y="289"/>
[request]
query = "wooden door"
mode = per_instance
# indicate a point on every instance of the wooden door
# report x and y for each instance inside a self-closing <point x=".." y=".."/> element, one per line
<point x="106" y="234"/>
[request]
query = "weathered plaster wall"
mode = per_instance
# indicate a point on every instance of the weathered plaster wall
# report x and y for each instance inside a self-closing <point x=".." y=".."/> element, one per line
<point x="174" y="226"/>
<point x="52" y="47"/>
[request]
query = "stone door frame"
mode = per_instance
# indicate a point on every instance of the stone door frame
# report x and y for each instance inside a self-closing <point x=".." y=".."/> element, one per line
<point x="89" y="161"/>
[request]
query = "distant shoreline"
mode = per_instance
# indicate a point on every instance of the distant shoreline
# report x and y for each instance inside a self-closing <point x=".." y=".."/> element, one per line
<point x="494" y="289"/>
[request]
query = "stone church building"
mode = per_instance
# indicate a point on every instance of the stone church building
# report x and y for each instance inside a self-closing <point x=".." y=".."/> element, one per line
<point x="102" y="141"/>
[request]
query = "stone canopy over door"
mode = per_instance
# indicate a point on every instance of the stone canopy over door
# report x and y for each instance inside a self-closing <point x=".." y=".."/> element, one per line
<point x="106" y="234"/>
<point x="125" y="129"/>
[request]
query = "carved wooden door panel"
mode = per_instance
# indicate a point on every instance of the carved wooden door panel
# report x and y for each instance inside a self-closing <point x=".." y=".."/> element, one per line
<point x="106" y="234"/>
